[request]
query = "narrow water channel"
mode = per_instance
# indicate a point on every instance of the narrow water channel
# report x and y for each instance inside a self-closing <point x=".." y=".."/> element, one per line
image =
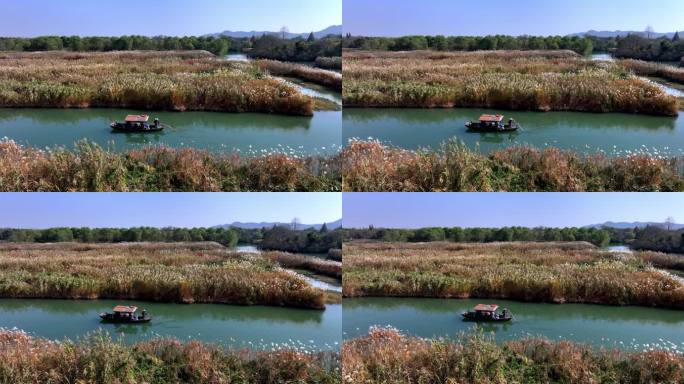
<point x="236" y="326"/>
<point x="317" y="281"/>
<point x="623" y="327"/>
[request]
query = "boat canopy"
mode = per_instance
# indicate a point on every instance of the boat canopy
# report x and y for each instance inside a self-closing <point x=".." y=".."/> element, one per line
<point x="125" y="309"/>
<point x="486" y="307"/>
<point x="491" y="118"/>
<point x="137" y="118"/>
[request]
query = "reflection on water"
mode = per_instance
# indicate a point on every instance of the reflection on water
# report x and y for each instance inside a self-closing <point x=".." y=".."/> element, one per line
<point x="252" y="133"/>
<point x="611" y="133"/>
<point x="225" y="324"/>
<point x="629" y="327"/>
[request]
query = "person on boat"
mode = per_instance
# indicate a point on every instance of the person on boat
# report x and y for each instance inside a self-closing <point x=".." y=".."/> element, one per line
<point x="156" y="123"/>
<point x="144" y="313"/>
<point x="504" y="313"/>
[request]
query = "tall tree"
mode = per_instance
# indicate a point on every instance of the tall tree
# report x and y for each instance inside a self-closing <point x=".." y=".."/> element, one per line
<point x="311" y="37"/>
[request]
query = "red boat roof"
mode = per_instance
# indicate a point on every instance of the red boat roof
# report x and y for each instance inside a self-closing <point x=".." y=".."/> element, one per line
<point x="486" y="307"/>
<point x="137" y="118"/>
<point x="494" y="118"/>
<point x="125" y="308"/>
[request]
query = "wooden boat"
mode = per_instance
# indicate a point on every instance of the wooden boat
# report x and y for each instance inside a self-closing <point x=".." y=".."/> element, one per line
<point x="137" y="123"/>
<point x="125" y="314"/>
<point x="487" y="313"/>
<point x="492" y="123"/>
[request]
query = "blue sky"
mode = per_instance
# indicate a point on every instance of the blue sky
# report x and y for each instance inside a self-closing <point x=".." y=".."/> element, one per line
<point x="27" y="18"/>
<point x="44" y="210"/>
<point x="414" y="210"/>
<point x="490" y="17"/>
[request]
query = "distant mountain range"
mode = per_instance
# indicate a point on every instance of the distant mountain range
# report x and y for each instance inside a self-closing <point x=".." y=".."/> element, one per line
<point x="654" y="35"/>
<point x="331" y="30"/>
<point x="332" y="225"/>
<point x="640" y="224"/>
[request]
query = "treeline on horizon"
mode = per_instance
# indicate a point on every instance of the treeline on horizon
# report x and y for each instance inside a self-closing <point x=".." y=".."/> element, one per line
<point x="226" y="236"/>
<point x="648" y="238"/>
<point x="631" y="46"/>
<point x="280" y="238"/>
<point x="266" y="46"/>
<point x="598" y="237"/>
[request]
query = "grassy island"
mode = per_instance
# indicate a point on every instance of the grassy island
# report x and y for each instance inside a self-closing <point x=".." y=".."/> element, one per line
<point x="162" y="272"/>
<point x="156" y="80"/>
<point x="514" y="80"/>
<point x="557" y="272"/>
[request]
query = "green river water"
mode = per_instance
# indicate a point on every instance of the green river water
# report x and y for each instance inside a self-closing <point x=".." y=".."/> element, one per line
<point x="624" y="327"/>
<point x="613" y="134"/>
<point x="247" y="133"/>
<point x="237" y="326"/>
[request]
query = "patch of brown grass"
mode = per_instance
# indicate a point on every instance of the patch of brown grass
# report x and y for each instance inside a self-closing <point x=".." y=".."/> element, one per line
<point x="322" y="77"/>
<point x="98" y="359"/>
<point x="516" y="80"/>
<point x="187" y="272"/>
<point x="91" y="168"/>
<point x="369" y="166"/>
<point x="171" y="80"/>
<point x="387" y="356"/>
<point x="528" y="271"/>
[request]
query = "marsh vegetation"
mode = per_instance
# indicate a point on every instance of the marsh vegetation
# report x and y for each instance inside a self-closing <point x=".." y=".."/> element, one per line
<point x="515" y="80"/>
<point x="537" y="272"/>
<point x="99" y="359"/>
<point x="372" y="166"/>
<point x="168" y="80"/>
<point x="386" y="355"/>
<point x="89" y="167"/>
<point x="178" y="272"/>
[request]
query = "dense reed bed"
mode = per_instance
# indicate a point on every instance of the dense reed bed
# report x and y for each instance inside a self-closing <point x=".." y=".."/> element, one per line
<point x="310" y="263"/>
<point x="371" y="166"/>
<point x="98" y="359"/>
<point x="526" y="271"/>
<point x="186" y="274"/>
<point x="387" y="356"/>
<point x="663" y="260"/>
<point x="322" y="77"/>
<point x="89" y="167"/>
<point x="645" y="68"/>
<point x="172" y="80"/>
<point x="334" y="62"/>
<point x="516" y="80"/>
